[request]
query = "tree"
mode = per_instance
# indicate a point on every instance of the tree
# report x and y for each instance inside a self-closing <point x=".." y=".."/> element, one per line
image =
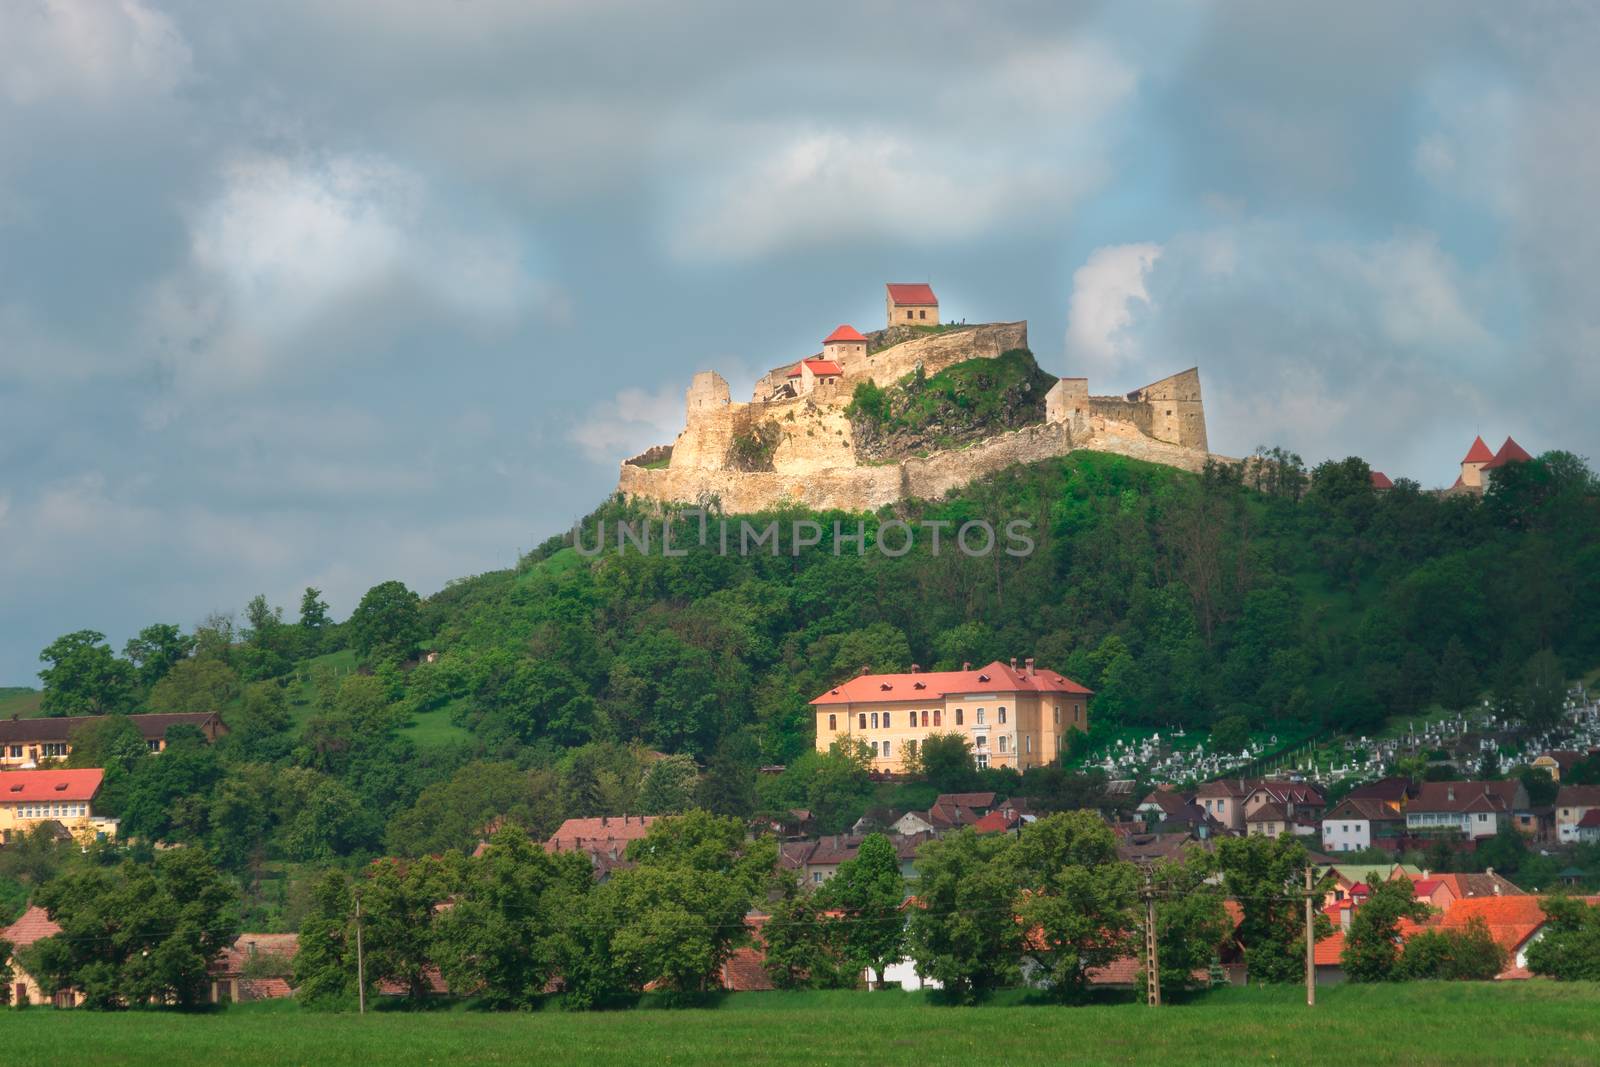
<point x="946" y="761"/>
<point x="1372" y="947"/>
<point x="398" y="901"/>
<point x="387" y="624"/>
<point x="1265" y="875"/>
<point x="1231" y="734"/>
<point x="203" y="683"/>
<point x="1457" y="685"/>
<point x="314" y="622"/>
<point x="867" y="892"/>
<point x="501" y="938"/>
<point x="83" y="677"/>
<point x="457" y="813"/>
<point x="136" y="933"/>
<point x="962" y="930"/>
<point x="669" y="786"/>
<point x="154" y="652"/>
<point x="168" y="798"/>
<point x="729" y="785"/>
<point x="673" y="918"/>
<point x="324" y="962"/>
<point x="839" y="786"/>
<point x="1192" y="921"/>
<point x="803" y="944"/>
<point x="1544" y="690"/>
<point x="1542" y="789"/>
<point x="260" y="729"/>
<point x="1467" y="955"/>
<point x="1569" y="951"/>
<point x="1077" y="898"/>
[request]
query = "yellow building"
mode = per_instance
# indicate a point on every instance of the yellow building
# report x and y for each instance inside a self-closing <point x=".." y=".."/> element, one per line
<point x="29" y="743"/>
<point x="911" y="304"/>
<point x="1013" y="717"/>
<point x="65" y="797"/>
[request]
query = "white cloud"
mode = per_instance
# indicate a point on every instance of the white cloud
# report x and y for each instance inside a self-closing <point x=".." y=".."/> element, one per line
<point x="630" y="422"/>
<point x="290" y="247"/>
<point x="101" y="51"/>
<point x="1104" y="292"/>
<point x="1416" y="289"/>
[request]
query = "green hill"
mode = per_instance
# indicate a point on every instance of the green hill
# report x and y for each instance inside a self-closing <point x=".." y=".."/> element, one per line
<point x="550" y="688"/>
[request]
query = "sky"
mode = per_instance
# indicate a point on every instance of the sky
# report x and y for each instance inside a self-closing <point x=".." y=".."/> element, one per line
<point x="330" y="292"/>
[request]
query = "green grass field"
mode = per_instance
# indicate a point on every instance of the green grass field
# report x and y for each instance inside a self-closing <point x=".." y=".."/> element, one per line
<point x="1416" y="1024"/>
<point x="20" y="701"/>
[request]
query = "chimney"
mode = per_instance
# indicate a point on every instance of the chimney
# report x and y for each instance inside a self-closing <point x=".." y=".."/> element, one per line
<point x="1029" y="663"/>
<point x="1449" y="792"/>
<point x="915" y="667"/>
<point x="865" y="670"/>
<point x="966" y="665"/>
<point x="1344" y="917"/>
<point x="251" y="946"/>
<point x="1013" y="663"/>
<point x="605" y="821"/>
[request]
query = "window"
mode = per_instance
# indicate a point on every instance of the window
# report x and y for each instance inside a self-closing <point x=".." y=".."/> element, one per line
<point x="958" y="716"/>
<point x="924" y="718"/>
<point x="833" y="723"/>
<point x="1058" y="714"/>
<point x="908" y="313"/>
<point x="982" y="759"/>
<point x="816" y="877"/>
<point x="983" y="741"/>
<point x="922" y="314"/>
<point x="1029" y="739"/>
<point x="886" y="750"/>
<point x="55" y="748"/>
<point x="980" y="716"/>
<point x="16" y="751"/>
<point x="911" y="747"/>
<point x="1002" y="716"/>
<point x="936" y="716"/>
<point x="886" y="720"/>
<point x="874" y="720"/>
<point x="1002" y="742"/>
<point x="874" y="748"/>
<point x="863" y="720"/>
<point x="154" y="746"/>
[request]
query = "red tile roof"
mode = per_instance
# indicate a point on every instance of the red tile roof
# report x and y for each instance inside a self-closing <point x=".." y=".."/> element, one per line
<point x="1381" y="480"/>
<point x="1511" y="920"/>
<point x="1510" y="452"/>
<point x="912" y="293"/>
<point x="1465" y="796"/>
<point x="31" y="787"/>
<point x="1591" y="819"/>
<point x="1578" y="796"/>
<point x="845" y="332"/>
<point x="1479" y="452"/>
<point x="1479" y="885"/>
<point x="818" y="366"/>
<point x="34" y="925"/>
<point x="599" y="835"/>
<point x="996" y="678"/>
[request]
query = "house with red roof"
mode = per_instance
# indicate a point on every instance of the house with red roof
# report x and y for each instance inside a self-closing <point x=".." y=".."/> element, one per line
<point x="1574" y="803"/>
<point x="1012" y="716"/>
<point x="1381" y="481"/>
<point x="911" y="304"/>
<point x="1466" y="809"/>
<point x="35" y="925"/>
<point x="53" y="797"/>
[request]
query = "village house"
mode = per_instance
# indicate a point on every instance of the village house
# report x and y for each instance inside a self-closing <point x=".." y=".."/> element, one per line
<point x="1573" y="804"/>
<point x="1470" y="809"/>
<point x="1556" y="763"/>
<point x="1013" y="717"/>
<point x="30" y="742"/>
<point x="605" y="839"/>
<point x="814" y="862"/>
<point x="1274" y="808"/>
<point x="53" y="797"/>
<point x="254" y="967"/>
<point x="911" y="304"/>
<point x="1356" y="823"/>
<point x="34" y="925"/>
<point x="1223" y="800"/>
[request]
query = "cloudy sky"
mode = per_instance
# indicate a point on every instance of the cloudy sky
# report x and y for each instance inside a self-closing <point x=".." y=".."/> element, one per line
<point x="326" y="292"/>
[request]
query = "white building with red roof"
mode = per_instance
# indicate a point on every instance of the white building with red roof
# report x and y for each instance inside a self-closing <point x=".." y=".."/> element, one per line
<point x="1479" y="459"/>
<point x="34" y="925"/>
<point x="1013" y="717"/>
<point x="911" y="304"/>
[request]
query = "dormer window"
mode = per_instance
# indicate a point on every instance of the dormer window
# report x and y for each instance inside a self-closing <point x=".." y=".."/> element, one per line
<point x="885" y="687"/>
<point x="983" y="677"/>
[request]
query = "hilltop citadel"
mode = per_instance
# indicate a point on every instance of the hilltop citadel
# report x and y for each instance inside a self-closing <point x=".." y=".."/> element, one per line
<point x="794" y="440"/>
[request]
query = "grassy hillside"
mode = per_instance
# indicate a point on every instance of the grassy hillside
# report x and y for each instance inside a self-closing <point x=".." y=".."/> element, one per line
<point x="19" y="701"/>
<point x="964" y="402"/>
<point x="1414" y="1025"/>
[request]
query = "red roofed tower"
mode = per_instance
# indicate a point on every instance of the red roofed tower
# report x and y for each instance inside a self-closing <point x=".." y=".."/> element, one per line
<point x="1472" y="466"/>
<point x="1510" y="452"/>
<point x="844" y="345"/>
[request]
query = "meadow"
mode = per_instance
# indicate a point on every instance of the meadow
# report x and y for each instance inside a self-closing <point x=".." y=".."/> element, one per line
<point x="1532" y="1022"/>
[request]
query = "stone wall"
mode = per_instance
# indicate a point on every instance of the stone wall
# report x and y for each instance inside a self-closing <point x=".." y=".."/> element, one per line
<point x="935" y="352"/>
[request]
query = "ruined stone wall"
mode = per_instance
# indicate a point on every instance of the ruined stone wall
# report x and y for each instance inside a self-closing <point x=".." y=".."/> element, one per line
<point x="1177" y="414"/>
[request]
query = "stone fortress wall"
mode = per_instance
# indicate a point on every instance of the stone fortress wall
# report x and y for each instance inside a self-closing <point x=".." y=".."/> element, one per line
<point x="814" y="461"/>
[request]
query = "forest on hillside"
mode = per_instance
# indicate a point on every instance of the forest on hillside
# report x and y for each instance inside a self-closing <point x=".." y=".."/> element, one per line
<point x="630" y="682"/>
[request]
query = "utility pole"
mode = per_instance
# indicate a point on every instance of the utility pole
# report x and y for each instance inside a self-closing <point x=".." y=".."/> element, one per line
<point x="1152" y="963"/>
<point x="1311" y="947"/>
<point x="361" y="962"/>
